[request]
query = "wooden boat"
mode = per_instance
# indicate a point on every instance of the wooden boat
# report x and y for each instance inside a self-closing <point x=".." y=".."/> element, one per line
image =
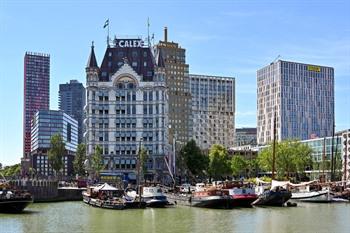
<point x="12" y="200"/>
<point x="304" y="194"/>
<point x="109" y="197"/>
<point x="154" y="197"/>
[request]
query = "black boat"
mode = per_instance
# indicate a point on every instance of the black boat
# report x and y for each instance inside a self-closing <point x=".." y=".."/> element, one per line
<point x="14" y="201"/>
<point x="277" y="196"/>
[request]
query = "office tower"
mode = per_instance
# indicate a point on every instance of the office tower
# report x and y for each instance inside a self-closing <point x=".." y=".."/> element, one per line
<point x="45" y="124"/>
<point x="213" y="110"/>
<point x="72" y="101"/>
<point x="245" y="136"/>
<point x="36" y="91"/>
<point x="177" y="81"/>
<point x="127" y="109"/>
<point x="301" y="96"/>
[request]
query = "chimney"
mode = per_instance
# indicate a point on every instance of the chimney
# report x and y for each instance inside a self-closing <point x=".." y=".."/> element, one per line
<point x="165" y="34"/>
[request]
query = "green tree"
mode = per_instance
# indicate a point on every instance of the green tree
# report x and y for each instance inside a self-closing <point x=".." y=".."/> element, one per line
<point x="143" y="161"/>
<point x="193" y="159"/>
<point x="291" y="157"/>
<point x="219" y="163"/>
<point x="56" y="153"/>
<point x="238" y="165"/>
<point x="97" y="161"/>
<point x="78" y="163"/>
<point x="11" y="171"/>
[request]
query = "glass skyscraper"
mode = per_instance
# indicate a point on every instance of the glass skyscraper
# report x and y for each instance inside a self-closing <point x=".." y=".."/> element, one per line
<point x="36" y="91"/>
<point x="301" y="96"/>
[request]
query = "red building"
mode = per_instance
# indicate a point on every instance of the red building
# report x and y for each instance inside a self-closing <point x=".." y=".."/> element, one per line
<point x="36" y="92"/>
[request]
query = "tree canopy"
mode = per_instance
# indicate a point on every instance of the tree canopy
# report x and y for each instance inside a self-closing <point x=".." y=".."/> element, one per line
<point x="291" y="157"/>
<point x="193" y="159"/>
<point x="56" y="152"/>
<point x="97" y="161"/>
<point x="219" y="164"/>
<point x="10" y="171"/>
<point x="238" y="165"/>
<point x="78" y="163"/>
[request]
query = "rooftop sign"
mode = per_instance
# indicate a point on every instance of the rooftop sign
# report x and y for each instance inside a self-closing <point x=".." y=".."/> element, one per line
<point x="314" y="68"/>
<point x="128" y="43"/>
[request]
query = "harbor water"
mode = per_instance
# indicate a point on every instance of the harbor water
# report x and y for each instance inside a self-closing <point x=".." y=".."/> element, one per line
<point x="79" y="217"/>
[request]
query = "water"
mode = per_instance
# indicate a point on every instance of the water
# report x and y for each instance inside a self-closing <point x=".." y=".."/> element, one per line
<point x="79" y="217"/>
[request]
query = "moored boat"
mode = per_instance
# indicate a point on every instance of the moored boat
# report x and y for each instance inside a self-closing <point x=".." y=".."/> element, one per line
<point x="210" y="197"/>
<point x="277" y="196"/>
<point x="12" y="200"/>
<point x="154" y="197"/>
<point x="242" y="196"/>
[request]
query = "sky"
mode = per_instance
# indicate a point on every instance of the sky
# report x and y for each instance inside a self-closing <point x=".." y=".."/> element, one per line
<point x="222" y="37"/>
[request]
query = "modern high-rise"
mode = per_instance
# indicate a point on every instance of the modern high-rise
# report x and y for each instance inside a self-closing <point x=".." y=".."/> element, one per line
<point x="36" y="92"/>
<point x="45" y="124"/>
<point x="177" y="81"/>
<point x="301" y="96"/>
<point x="72" y="101"/>
<point x="127" y="109"/>
<point x="213" y="110"/>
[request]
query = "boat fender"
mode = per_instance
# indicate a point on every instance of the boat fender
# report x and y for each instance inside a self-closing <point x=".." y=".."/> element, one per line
<point x="175" y="202"/>
<point x="190" y="199"/>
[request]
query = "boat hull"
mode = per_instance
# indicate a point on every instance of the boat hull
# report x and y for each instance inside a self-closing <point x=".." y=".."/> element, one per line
<point x="273" y="198"/>
<point x="243" y="200"/>
<point x="214" y="202"/>
<point x="14" y="206"/>
<point x="317" y="197"/>
<point x="179" y="199"/>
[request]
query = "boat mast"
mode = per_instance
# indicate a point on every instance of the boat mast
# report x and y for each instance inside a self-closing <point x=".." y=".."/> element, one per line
<point x="332" y="156"/>
<point x="323" y="157"/>
<point x="274" y="146"/>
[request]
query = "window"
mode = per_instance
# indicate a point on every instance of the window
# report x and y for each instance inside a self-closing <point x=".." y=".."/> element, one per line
<point x="134" y="64"/>
<point x="144" y="96"/>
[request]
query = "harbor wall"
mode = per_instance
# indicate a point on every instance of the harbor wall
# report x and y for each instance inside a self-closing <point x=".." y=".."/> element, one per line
<point x="48" y="190"/>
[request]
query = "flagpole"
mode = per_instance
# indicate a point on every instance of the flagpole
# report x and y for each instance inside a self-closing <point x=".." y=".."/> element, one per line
<point x="108" y="35"/>
<point x="148" y="39"/>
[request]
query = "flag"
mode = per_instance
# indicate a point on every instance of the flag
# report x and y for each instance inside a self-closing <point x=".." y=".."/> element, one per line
<point x="106" y="23"/>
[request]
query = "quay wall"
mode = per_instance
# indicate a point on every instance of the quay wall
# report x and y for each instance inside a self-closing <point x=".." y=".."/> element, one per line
<point x="48" y="190"/>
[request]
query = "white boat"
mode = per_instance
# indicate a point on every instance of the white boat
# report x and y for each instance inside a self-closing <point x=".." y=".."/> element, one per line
<point x="313" y="196"/>
<point x="154" y="197"/>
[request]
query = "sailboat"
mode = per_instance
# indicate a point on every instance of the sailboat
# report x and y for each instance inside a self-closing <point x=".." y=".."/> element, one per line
<point x="277" y="195"/>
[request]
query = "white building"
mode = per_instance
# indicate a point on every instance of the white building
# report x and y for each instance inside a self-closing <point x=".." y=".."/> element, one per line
<point x="127" y="108"/>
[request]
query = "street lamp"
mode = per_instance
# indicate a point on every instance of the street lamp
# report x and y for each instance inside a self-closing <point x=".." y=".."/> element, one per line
<point x="139" y="168"/>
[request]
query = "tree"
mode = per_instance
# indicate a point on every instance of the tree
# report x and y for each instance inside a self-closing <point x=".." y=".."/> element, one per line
<point x="238" y="165"/>
<point x="56" y="152"/>
<point x="143" y="160"/>
<point x="291" y="157"/>
<point x="97" y="161"/>
<point x="193" y="159"/>
<point x="78" y="163"/>
<point x="219" y="164"/>
<point x="11" y="171"/>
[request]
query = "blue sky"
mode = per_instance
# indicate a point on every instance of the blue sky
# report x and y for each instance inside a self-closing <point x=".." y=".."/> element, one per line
<point x="230" y="38"/>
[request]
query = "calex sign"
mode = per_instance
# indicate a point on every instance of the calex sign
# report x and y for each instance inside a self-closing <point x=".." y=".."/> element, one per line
<point x="129" y="43"/>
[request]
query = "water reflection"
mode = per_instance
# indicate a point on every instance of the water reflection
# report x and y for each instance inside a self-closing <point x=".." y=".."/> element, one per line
<point x="78" y="217"/>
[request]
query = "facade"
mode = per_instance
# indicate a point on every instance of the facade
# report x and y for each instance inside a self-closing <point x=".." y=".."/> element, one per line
<point x="72" y="101"/>
<point x="302" y="98"/>
<point x="45" y="124"/>
<point x="245" y="136"/>
<point x="322" y="147"/>
<point x="177" y="81"/>
<point x="213" y="110"/>
<point x="36" y="92"/>
<point x="127" y="109"/>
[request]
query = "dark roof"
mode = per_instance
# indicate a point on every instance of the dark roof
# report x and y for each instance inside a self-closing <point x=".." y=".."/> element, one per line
<point x="160" y="60"/>
<point x="139" y="58"/>
<point x="92" y="63"/>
